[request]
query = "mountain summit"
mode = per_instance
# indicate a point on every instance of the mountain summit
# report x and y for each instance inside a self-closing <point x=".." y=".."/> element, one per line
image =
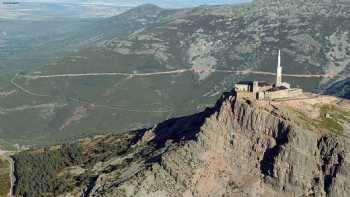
<point x="239" y="147"/>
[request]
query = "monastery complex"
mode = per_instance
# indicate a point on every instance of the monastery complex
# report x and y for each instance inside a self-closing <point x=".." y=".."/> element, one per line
<point x="266" y="91"/>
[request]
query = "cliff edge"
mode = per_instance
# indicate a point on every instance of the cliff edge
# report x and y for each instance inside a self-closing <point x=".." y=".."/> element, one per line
<point x="240" y="147"/>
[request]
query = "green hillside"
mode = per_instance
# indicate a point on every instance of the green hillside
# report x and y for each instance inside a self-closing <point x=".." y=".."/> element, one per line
<point x="312" y="37"/>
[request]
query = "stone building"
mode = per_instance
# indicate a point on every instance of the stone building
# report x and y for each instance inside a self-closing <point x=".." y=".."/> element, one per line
<point x="279" y="93"/>
<point x="252" y="86"/>
<point x="266" y="91"/>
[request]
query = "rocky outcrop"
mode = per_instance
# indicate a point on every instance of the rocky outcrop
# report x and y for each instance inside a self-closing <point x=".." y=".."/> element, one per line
<point x="239" y="147"/>
<point x="235" y="149"/>
<point x="335" y="165"/>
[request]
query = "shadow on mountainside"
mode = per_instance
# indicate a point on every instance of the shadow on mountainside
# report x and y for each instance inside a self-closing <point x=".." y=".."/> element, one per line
<point x="178" y="130"/>
<point x="340" y="88"/>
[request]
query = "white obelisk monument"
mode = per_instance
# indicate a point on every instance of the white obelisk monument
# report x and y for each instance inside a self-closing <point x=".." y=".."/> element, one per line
<point x="279" y="71"/>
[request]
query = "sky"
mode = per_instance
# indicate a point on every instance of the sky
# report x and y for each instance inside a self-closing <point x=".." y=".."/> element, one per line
<point x="43" y="9"/>
<point x="131" y="3"/>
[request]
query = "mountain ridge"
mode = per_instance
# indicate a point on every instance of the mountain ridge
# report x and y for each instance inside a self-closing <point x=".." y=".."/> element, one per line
<point x="239" y="147"/>
<point x="313" y="41"/>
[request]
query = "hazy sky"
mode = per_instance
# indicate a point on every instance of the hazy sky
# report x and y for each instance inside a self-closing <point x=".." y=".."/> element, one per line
<point x="89" y="8"/>
<point x="162" y="3"/>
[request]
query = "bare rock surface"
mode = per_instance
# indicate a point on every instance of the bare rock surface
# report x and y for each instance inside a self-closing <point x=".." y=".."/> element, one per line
<point x="237" y="148"/>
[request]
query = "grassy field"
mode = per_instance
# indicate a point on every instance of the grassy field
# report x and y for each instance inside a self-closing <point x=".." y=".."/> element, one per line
<point x="5" y="182"/>
<point x="331" y="118"/>
<point x="335" y="118"/>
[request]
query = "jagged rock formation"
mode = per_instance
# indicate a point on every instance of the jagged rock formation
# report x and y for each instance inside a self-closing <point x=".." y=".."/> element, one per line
<point x="241" y="150"/>
<point x="239" y="147"/>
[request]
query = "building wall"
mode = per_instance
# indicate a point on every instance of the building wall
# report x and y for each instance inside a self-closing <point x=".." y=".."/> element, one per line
<point x="242" y="87"/>
<point x="251" y="88"/>
<point x="283" y="94"/>
<point x="265" y="88"/>
<point x="295" y="92"/>
<point x="260" y="95"/>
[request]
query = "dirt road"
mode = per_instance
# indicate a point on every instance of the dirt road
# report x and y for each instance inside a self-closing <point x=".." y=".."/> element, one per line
<point x="13" y="82"/>
<point x="246" y="72"/>
<point x="240" y="72"/>
<point x="107" y="74"/>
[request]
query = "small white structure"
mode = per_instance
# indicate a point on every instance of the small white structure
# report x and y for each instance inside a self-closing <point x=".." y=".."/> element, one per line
<point x="279" y="71"/>
<point x="286" y="85"/>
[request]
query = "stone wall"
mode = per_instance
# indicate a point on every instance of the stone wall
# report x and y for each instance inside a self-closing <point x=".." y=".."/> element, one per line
<point x="283" y="94"/>
<point x="242" y="87"/>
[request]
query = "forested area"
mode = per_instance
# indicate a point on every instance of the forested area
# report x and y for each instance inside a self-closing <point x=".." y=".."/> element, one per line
<point x="36" y="172"/>
<point x="43" y="172"/>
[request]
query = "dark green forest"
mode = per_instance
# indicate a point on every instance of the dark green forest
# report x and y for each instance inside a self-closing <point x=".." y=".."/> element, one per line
<point x="41" y="172"/>
<point x="36" y="172"/>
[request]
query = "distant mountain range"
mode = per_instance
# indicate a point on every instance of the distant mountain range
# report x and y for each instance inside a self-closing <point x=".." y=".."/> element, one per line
<point x="45" y="11"/>
<point x="205" y="41"/>
<point x="134" y="3"/>
<point x="48" y="9"/>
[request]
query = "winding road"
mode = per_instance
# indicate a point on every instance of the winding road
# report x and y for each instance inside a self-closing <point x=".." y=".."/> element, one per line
<point x="246" y="72"/>
<point x="149" y="74"/>
<point x="13" y="82"/>
<point x="107" y="74"/>
<point x="241" y="72"/>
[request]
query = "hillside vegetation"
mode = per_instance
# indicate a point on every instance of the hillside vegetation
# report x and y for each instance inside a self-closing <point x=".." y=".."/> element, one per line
<point x="313" y="37"/>
<point x="63" y="168"/>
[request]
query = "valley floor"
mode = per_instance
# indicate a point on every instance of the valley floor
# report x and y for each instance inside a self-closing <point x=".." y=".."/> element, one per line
<point x="150" y="74"/>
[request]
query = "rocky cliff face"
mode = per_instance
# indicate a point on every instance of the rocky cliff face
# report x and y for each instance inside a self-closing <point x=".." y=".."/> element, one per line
<point x="235" y="149"/>
<point x="240" y="147"/>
